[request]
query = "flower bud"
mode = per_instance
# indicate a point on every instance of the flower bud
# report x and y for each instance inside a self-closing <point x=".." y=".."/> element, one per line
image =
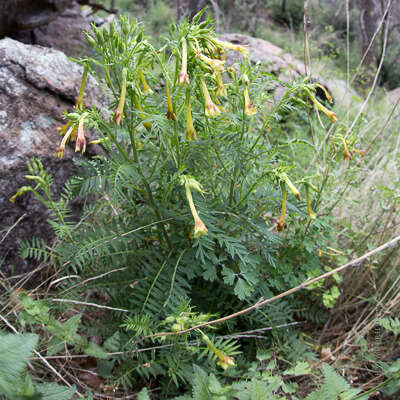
<point x="244" y="50"/>
<point x="221" y="89"/>
<point x="211" y="109"/>
<point x="216" y="65"/>
<point x="146" y="87"/>
<point x="281" y="223"/>
<point x="248" y="105"/>
<point x="346" y="153"/>
<point x="183" y="77"/>
<point x="81" y="140"/>
<point x="90" y="40"/>
<point x="332" y="116"/>
<point x="119" y="113"/>
<point x="64" y="128"/>
<point x="176" y="327"/>
<point x="310" y="212"/>
<point x="190" y="130"/>
<point x="290" y="185"/>
<point x="327" y="95"/>
<point x="170" y="113"/>
<point x="199" y="226"/>
<point x="147" y="125"/>
<point x="20" y="192"/>
<point x="224" y="361"/>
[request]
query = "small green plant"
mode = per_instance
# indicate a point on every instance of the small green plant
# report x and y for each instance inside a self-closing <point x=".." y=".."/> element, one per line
<point x="15" y="383"/>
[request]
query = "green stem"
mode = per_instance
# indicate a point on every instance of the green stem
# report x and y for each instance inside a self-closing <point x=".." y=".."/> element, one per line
<point x="150" y="194"/>
<point x="374" y="389"/>
<point x="255" y="184"/>
<point x="176" y="137"/>
<point x="133" y="143"/>
<point x="268" y="120"/>
<point x="157" y="159"/>
<point x="156" y="210"/>
<point x="236" y="167"/>
<point x="115" y="141"/>
<point x="79" y="100"/>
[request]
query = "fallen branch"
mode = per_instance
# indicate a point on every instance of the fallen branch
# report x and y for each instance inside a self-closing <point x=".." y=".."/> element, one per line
<point x="83" y="303"/>
<point x="262" y="302"/>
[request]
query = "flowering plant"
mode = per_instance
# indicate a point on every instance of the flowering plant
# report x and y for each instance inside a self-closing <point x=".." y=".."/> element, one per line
<point x="191" y="191"/>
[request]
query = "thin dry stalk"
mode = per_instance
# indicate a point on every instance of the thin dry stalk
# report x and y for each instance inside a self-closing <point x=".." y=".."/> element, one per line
<point x="12" y="227"/>
<point x="263" y="302"/>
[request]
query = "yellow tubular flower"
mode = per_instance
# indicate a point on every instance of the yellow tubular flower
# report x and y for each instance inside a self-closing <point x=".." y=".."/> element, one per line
<point x="211" y="109"/>
<point x="183" y="77"/>
<point x="346" y="152"/>
<point x="327" y="95"/>
<point x="81" y="140"/>
<point x="216" y="65"/>
<point x="190" y="130"/>
<point x="170" y="113"/>
<point x="221" y="89"/>
<point x="61" y="149"/>
<point x="199" y="226"/>
<point x="332" y="116"/>
<point x="20" y="192"/>
<point x="248" y="105"/>
<point x="292" y="188"/>
<point x="281" y="224"/>
<point x="64" y="128"/>
<point x="119" y="112"/>
<point x="146" y="87"/>
<point x="310" y="212"/>
<point x="244" y="50"/>
<point x="224" y="361"/>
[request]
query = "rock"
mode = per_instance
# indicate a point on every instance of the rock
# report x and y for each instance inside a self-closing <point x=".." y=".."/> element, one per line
<point x="64" y="33"/>
<point x="18" y="15"/>
<point x="344" y="96"/>
<point x="276" y="61"/>
<point x="273" y="57"/>
<point x="36" y="85"/>
<point x="393" y="95"/>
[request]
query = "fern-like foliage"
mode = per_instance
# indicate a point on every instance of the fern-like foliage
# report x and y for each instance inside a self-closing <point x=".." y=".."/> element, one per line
<point x="15" y="352"/>
<point x="176" y="227"/>
<point x="207" y="386"/>
<point x="334" y="387"/>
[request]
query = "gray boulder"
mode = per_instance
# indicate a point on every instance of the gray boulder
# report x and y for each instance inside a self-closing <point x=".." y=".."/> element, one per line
<point x="36" y="85"/>
<point x="273" y="57"/>
<point x="394" y="95"/>
<point x="18" y="15"/>
<point x="64" y="32"/>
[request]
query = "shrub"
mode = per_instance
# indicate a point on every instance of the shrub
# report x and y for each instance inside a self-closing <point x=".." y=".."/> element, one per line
<point x="193" y="209"/>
